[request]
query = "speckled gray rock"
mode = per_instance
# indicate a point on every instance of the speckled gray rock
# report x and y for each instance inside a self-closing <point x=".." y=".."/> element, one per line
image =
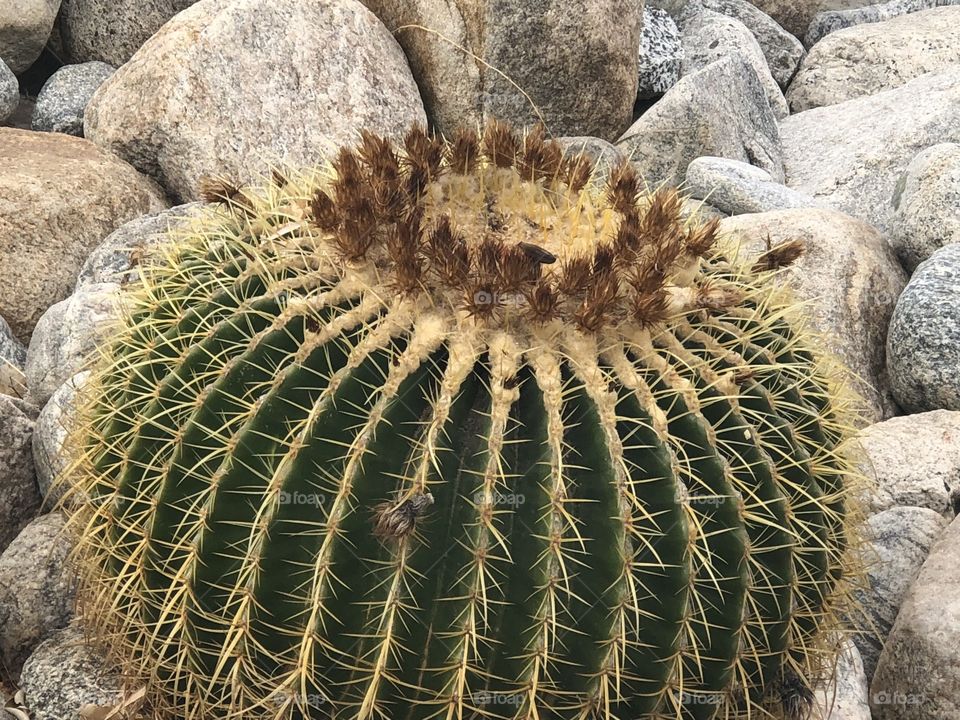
<point x="64" y="97"/>
<point x="605" y="155"/>
<point x="59" y="197"/>
<point x="868" y="59"/>
<point x="63" y="674"/>
<point x="913" y="460"/>
<point x="25" y="26"/>
<point x="674" y="7"/>
<point x="851" y="279"/>
<point x="736" y="188"/>
<point x="9" y="92"/>
<point x="830" y="21"/>
<point x="782" y="50"/>
<point x="36" y="589"/>
<point x="112" y="30"/>
<point x="845" y="697"/>
<point x="927" y="205"/>
<point x="115" y="260"/>
<point x="661" y="54"/>
<point x="709" y="36"/>
<point x="795" y="15"/>
<point x="13" y="358"/>
<point x="66" y="337"/>
<point x="899" y="541"/>
<point x="701" y="209"/>
<point x="237" y="86"/>
<point x="11" y="350"/>
<point x="923" y="346"/>
<point x="916" y="676"/>
<point x="720" y="110"/>
<point x="19" y="497"/>
<point x="852" y="155"/>
<point x="574" y="60"/>
<point x="49" y="435"/>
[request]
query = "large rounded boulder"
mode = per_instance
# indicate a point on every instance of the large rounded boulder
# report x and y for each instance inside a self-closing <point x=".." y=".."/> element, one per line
<point x="59" y="197"/>
<point x="570" y="63"/>
<point x="112" y="30"/>
<point x="237" y="86"/>
<point x="923" y="346"/>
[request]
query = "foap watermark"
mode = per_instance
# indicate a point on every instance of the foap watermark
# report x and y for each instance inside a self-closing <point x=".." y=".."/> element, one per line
<point x="500" y="299"/>
<point x="709" y="500"/>
<point x="886" y="697"/>
<point x="300" y="700"/>
<point x="694" y="698"/>
<point x="487" y="698"/>
<point x="301" y="498"/>
<point x="498" y="498"/>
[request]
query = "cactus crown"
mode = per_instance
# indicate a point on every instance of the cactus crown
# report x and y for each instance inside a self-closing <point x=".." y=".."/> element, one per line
<point x="460" y="430"/>
<point x="505" y="230"/>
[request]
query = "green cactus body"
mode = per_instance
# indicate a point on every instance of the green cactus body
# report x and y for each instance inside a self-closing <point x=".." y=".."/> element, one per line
<point x="459" y="431"/>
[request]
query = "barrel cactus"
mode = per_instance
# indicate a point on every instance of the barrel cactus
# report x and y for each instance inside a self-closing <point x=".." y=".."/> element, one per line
<point x="462" y="429"/>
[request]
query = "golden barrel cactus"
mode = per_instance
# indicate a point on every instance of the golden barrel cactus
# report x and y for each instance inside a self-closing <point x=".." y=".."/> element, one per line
<point x="461" y="430"/>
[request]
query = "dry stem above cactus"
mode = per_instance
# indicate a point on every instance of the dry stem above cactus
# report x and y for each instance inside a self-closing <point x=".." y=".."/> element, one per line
<point x="460" y="430"/>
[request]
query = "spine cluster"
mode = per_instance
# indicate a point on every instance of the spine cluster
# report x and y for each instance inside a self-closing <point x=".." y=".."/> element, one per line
<point x="376" y="211"/>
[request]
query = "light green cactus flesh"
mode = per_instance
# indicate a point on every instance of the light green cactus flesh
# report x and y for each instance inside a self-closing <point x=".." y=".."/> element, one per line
<point x="457" y="430"/>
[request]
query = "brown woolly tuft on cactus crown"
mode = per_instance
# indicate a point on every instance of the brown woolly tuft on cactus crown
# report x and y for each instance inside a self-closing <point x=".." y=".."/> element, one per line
<point x="506" y="231"/>
<point x="462" y="430"/>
